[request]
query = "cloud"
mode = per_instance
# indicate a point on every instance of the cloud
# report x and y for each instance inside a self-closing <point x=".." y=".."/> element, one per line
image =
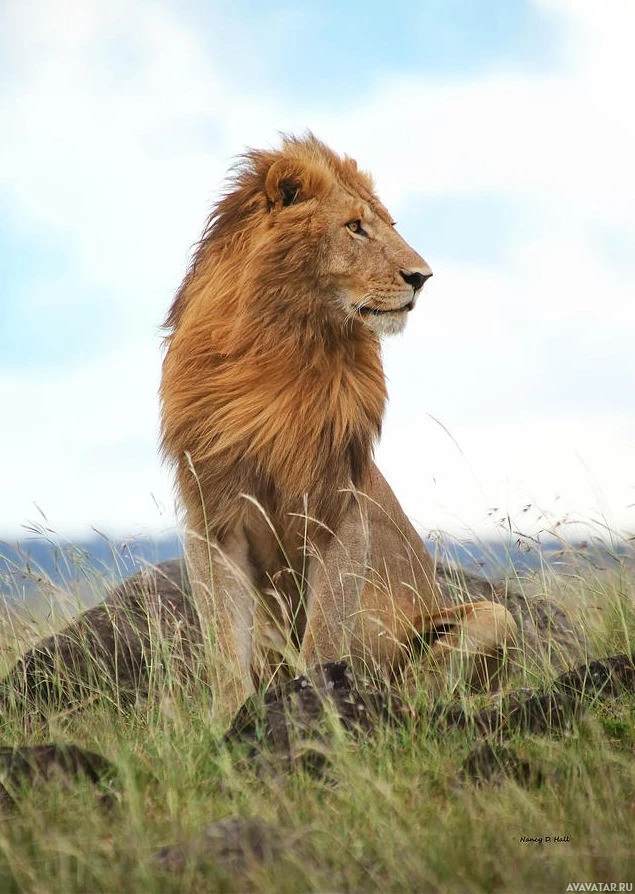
<point x="82" y="448"/>
<point x="98" y="157"/>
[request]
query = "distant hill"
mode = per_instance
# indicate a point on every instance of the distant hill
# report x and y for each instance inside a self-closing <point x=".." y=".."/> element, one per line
<point x="60" y="560"/>
<point x="34" y="572"/>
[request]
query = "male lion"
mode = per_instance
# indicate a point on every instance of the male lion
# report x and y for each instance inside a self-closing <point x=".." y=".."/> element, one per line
<point x="272" y="399"/>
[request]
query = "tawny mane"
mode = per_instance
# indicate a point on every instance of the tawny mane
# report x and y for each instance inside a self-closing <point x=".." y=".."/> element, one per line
<point x="264" y="392"/>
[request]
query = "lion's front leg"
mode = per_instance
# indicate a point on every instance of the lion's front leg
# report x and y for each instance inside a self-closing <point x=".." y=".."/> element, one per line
<point x="225" y="600"/>
<point x="335" y="582"/>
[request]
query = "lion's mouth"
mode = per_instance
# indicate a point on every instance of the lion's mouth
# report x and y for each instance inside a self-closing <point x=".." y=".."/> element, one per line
<point x="377" y="312"/>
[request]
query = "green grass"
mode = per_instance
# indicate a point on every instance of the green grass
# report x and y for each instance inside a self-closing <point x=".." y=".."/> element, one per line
<point x="394" y="813"/>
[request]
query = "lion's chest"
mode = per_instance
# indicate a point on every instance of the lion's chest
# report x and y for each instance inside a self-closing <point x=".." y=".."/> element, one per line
<point x="290" y="430"/>
<point x="316" y="442"/>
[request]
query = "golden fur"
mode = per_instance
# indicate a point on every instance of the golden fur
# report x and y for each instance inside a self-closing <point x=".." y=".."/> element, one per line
<point x="272" y="400"/>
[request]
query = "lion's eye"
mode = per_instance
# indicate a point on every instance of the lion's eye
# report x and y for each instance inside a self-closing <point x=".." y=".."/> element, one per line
<point x="355" y="226"/>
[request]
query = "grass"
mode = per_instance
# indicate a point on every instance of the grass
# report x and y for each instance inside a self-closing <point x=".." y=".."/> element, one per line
<point x="394" y="813"/>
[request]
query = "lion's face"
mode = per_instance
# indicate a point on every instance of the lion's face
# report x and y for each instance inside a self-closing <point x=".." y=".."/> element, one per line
<point x="373" y="273"/>
<point x="359" y="261"/>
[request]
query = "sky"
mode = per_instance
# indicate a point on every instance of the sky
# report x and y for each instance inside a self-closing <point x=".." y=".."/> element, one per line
<point x="500" y="136"/>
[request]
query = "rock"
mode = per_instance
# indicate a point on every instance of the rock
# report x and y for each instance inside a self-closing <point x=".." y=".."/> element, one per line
<point x="147" y="622"/>
<point x="291" y="721"/>
<point x="234" y="845"/>
<point x="490" y="762"/>
<point x="549" y="711"/>
<point x="602" y="678"/>
<point x="523" y="711"/>
<point x="31" y="765"/>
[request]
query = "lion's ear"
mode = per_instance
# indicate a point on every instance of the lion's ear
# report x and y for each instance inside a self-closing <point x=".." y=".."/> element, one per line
<point x="290" y="181"/>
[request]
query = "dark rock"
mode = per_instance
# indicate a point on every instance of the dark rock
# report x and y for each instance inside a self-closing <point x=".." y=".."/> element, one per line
<point x="602" y="678"/>
<point x="545" y="711"/>
<point x="293" y="720"/>
<point x="30" y="765"/>
<point x="146" y="627"/>
<point x="489" y="762"/>
<point x="234" y="845"/>
<point x="523" y="711"/>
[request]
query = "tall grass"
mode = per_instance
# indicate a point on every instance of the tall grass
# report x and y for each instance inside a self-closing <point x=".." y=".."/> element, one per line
<point x="394" y="812"/>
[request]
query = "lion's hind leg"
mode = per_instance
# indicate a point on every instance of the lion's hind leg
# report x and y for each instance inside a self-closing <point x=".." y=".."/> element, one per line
<point x="470" y="645"/>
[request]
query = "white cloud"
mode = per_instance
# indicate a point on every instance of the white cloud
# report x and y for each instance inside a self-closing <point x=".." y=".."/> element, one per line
<point x="123" y="163"/>
<point x="112" y="161"/>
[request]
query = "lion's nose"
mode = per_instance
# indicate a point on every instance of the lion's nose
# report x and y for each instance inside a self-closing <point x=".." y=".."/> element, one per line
<point x="415" y="278"/>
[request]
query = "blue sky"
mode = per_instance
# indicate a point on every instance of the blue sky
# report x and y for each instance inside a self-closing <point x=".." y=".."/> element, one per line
<point x="305" y="50"/>
<point x="499" y="138"/>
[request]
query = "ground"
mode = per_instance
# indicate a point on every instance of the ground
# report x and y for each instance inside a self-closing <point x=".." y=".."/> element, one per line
<point x="419" y="805"/>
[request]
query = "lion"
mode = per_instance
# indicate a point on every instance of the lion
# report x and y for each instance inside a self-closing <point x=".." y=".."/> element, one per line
<point x="272" y="397"/>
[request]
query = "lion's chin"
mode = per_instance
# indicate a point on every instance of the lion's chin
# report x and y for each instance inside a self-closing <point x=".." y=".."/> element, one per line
<point x="387" y="323"/>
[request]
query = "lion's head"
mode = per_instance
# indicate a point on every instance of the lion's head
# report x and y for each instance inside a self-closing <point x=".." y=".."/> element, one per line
<point x="314" y="218"/>
<point x="364" y="267"/>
